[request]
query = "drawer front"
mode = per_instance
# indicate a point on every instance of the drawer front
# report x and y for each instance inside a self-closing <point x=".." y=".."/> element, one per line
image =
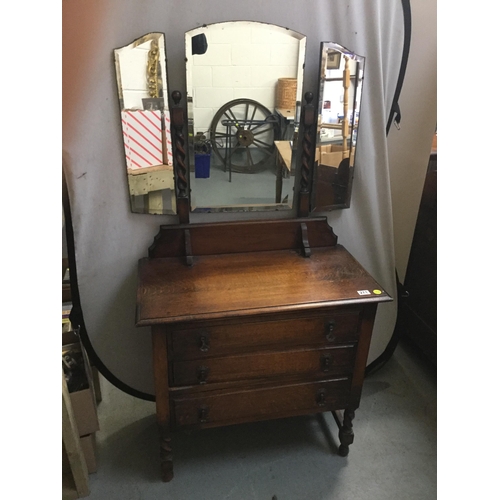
<point x="312" y="363"/>
<point x="228" y="407"/>
<point x="316" y="330"/>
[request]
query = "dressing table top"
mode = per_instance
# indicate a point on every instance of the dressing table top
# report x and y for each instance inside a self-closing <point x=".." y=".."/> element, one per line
<point x="243" y="284"/>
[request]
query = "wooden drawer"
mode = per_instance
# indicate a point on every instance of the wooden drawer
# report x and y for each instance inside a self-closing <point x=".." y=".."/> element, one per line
<point x="312" y="363"/>
<point x="210" y="409"/>
<point x="318" y="329"/>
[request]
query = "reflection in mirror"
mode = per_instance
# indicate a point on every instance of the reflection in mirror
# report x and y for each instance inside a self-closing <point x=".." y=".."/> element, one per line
<point x="244" y="86"/>
<point x="142" y="89"/>
<point x="339" y="95"/>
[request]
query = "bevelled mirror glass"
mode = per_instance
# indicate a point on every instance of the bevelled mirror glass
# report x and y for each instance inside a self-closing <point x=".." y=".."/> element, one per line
<point x="339" y="99"/>
<point x="244" y="86"/>
<point x="141" y="74"/>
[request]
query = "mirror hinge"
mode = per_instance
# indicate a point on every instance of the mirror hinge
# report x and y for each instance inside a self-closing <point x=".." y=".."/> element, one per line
<point x="305" y="240"/>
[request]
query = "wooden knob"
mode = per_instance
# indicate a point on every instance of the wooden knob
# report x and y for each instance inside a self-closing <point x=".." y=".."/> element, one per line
<point x="176" y="97"/>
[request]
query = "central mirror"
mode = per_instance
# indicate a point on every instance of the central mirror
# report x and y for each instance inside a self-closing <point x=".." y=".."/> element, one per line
<point x="244" y="82"/>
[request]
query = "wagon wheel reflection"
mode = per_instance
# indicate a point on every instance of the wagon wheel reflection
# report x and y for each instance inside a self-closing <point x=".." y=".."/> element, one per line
<point x="242" y="134"/>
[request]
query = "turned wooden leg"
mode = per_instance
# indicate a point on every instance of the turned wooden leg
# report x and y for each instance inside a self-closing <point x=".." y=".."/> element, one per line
<point x="346" y="435"/>
<point x="167" y="466"/>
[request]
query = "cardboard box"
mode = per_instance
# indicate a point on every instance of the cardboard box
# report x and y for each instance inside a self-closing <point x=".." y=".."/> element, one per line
<point x="85" y="411"/>
<point x="89" y="451"/>
<point x="83" y="401"/>
<point x="88" y="445"/>
<point x="329" y="155"/>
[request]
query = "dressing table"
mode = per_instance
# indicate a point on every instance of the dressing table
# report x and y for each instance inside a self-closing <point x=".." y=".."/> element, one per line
<point x="256" y="319"/>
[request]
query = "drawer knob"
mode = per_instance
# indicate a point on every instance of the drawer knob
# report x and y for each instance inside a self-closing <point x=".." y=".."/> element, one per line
<point x="202" y="374"/>
<point x="326" y="362"/>
<point x="204" y="343"/>
<point x="330" y="327"/>
<point x="203" y="414"/>
<point x="321" y="397"/>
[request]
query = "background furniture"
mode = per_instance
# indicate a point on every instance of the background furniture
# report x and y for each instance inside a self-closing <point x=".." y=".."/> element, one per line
<point x="287" y="117"/>
<point x="80" y="393"/>
<point x="284" y="154"/>
<point x="76" y="484"/>
<point x="419" y="310"/>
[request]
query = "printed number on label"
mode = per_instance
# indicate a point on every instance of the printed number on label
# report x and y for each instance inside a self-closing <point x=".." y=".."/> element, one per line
<point x="364" y="292"/>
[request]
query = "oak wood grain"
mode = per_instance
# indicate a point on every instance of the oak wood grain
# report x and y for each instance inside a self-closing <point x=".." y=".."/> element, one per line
<point x="312" y="363"/>
<point x="365" y="336"/>
<point x="233" y="406"/>
<point x="193" y="341"/>
<point x="237" y="237"/>
<point x="160" y="366"/>
<point x="219" y="286"/>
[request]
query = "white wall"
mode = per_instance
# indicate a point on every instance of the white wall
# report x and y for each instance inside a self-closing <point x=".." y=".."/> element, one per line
<point x="132" y="62"/>
<point x="242" y="61"/>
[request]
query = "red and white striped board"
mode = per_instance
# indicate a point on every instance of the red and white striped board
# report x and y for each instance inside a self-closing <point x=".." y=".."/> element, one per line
<point x="142" y="138"/>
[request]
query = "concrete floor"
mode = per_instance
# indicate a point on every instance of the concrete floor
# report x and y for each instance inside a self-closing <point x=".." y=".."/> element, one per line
<point x="393" y="455"/>
<point x="244" y="189"/>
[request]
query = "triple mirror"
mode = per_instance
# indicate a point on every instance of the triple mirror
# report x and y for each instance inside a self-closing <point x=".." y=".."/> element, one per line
<point x="244" y="91"/>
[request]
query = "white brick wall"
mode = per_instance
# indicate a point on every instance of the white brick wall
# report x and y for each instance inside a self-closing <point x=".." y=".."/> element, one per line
<point x="244" y="60"/>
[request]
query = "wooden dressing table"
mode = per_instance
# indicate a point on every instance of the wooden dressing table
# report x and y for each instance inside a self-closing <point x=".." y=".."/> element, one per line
<point x="255" y="320"/>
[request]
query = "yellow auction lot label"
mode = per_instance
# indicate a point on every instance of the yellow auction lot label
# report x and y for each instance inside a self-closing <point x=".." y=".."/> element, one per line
<point x="377" y="292"/>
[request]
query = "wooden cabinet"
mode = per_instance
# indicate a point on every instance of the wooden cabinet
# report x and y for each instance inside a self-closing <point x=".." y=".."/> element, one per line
<point x="253" y="321"/>
<point x="419" y="311"/>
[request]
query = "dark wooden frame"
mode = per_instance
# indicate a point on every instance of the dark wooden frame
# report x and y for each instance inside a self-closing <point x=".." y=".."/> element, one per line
<point x="182" y="190"/>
